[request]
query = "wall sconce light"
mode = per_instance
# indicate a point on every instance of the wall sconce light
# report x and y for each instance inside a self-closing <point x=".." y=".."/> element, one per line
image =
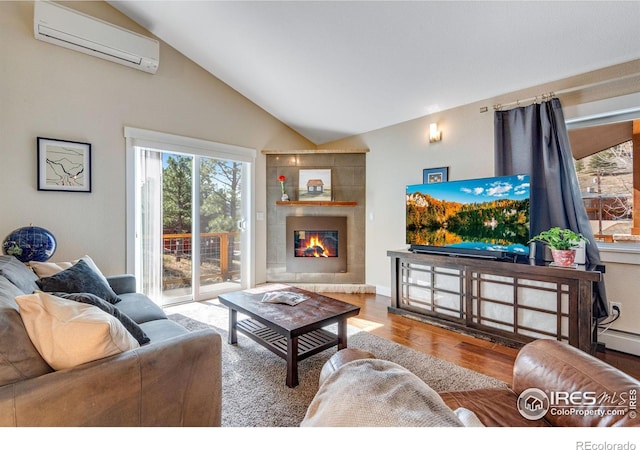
<point x="434" y="134"/>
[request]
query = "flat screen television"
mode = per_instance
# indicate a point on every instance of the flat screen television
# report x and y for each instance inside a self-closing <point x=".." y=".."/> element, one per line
<point x="483" y="217"/>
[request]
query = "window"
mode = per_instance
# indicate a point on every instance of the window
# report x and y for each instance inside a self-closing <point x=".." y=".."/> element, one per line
<point x="604" y="162"/>
<point x="606" y="183"/>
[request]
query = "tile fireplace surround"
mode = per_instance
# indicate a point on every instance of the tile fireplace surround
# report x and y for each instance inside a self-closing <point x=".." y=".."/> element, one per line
<point x="348" y="185"/>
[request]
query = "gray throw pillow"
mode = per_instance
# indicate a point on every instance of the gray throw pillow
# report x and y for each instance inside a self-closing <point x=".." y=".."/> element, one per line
<point x="79" y="278"/>
<point x="91" y="299"/>
<point x="18" y="273"/>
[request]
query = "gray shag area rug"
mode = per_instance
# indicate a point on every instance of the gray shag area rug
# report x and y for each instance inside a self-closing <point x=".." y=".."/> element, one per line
<point x="254" y="393"/>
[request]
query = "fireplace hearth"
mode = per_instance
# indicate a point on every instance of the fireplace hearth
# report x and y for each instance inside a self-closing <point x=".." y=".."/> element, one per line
<point x="316" y="244"/>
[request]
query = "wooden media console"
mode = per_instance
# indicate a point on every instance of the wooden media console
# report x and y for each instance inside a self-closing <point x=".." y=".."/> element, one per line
<point x="512" y="303"/>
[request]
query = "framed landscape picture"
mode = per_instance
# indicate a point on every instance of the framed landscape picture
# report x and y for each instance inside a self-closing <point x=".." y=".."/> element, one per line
<point x="437" y="175"/>
<point x="64" y="165"/>
<point x="314" y="185"/>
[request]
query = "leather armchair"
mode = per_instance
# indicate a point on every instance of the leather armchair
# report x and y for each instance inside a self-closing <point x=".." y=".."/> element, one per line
<point x="552" y="367"/>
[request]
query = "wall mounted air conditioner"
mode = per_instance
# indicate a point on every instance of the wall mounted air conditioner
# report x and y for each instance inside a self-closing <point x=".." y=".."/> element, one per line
<point x="71" y="29"/>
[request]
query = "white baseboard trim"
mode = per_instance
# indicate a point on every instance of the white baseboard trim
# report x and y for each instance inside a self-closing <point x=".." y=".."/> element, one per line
<point x="620" y="341"/>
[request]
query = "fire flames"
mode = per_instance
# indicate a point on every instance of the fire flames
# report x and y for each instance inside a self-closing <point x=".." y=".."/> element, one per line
<point x="315" y="248"/>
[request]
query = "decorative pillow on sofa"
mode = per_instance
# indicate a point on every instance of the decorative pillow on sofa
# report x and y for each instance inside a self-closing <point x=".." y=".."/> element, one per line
<point x="79" y="278"/>
<point x="47" y="269"/>
<point x="90" y="299"/>
<point x="67" y="333"/>
<point x="18" y="273"/>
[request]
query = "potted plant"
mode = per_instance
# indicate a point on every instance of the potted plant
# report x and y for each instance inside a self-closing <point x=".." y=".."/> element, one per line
<point x="563" y="243"/>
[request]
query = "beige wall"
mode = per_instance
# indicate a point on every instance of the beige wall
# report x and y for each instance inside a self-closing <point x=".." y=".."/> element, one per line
<point x="53" y="92"/>
<point x="397" y="155"/>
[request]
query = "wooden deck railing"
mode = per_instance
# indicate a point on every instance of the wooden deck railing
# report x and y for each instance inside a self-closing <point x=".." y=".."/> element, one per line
<point x="217" y="249"/>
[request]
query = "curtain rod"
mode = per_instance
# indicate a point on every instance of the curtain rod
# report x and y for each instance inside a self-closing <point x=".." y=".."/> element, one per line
<point x="536" y="99"/>
<point x="549" y="95"/>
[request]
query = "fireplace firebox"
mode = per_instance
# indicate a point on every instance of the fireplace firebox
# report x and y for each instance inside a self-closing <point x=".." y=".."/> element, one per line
<point x="316" y="244"/>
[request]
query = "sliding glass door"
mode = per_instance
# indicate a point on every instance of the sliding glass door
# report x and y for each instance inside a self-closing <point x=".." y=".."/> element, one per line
<point x="191" y="239"/>
<point x="221" y="224"/>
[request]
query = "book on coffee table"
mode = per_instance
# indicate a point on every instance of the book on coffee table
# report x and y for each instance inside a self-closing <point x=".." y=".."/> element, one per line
<point x="284" y="297"/>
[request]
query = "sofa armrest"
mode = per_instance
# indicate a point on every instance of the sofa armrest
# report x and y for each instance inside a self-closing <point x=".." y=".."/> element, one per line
<point x="177" y="382"/>
<point x="339" y="359"/>
<point x="122" y="284"/>
<point x="554" y="366"/>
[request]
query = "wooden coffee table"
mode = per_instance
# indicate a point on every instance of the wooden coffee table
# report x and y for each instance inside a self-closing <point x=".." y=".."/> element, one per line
<point x="291" y="332"/>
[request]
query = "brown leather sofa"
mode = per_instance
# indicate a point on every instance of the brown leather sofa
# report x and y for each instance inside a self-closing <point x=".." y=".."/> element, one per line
<point x="175" y="380"/>
<point x="581" y="390"/>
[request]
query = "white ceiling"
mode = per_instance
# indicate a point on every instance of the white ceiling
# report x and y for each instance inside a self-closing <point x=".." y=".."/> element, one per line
<point x="332" y="69"/>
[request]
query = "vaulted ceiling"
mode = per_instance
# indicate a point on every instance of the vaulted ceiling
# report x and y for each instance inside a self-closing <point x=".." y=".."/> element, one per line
<point x="331" y="69"/>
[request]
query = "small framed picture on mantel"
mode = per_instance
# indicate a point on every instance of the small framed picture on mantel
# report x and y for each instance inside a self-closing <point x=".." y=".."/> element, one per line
<point x="314" y="185"/>
<point x="437" y="175"/>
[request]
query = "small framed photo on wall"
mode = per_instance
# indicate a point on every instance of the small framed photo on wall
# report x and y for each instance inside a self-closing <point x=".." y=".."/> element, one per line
<point x="437" y="175"/>
<point x="64" y="165"/>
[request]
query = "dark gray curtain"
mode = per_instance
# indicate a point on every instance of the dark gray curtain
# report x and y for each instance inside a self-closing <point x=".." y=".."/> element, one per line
<point x="533" y="140"/>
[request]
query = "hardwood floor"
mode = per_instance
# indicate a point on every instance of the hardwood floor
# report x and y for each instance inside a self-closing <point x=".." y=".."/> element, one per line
<point x="476" y="354"/>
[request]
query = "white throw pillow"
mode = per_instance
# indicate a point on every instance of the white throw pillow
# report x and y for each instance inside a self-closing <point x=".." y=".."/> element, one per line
<point x="67" y="333"/>
<point x="48" y="269"/>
